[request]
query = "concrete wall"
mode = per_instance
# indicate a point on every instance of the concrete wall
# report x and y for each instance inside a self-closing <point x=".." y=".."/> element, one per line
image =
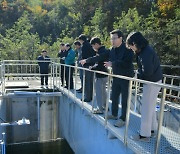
<point x="84" y="133"/>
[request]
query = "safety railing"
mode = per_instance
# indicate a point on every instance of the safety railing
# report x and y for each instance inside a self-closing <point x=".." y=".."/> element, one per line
<point x="134" y="87"/>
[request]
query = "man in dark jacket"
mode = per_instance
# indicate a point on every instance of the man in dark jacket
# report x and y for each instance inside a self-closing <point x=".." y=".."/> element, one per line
<point x="69" y="60"/>
<point x="87" y="52"/>
<point x="62" y="54"/>
<point x="121" y="60"/>
<point x="101" y="79"/>
<point x="44" y="67"/>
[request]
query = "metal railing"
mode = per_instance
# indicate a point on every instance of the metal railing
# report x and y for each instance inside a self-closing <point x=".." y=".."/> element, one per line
<point x="134" y="86"/>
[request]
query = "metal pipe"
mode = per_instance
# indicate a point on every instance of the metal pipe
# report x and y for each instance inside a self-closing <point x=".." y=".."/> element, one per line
<point x="59" y="75"/>
<point x="172" y="81"/>
<point x="38" y="113"/>
<point x="107" y="99"/>
<point x="128" y="112"/>
<point x="3" y="144"/>
<point x="75" y="93"/>
<point x="53" y="75"/>
<point x="135" y="97"/>
<point x="69" y="73"/>
<point x="94" y="89"/>
<point x="83" y="89"/>
<point x="56" y="75"/>
<point x="64" y="76"/>
<point x="160" y="121"/>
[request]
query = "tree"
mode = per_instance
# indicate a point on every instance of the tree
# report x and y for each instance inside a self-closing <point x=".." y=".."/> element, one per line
<point x="19" y="43"/>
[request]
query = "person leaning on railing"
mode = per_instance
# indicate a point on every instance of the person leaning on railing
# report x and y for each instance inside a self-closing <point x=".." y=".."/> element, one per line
<point x="87" y="51"/>
<point x="101" y="79"/>
<point x="148" y="69"/>
<point x="120" y="59"/>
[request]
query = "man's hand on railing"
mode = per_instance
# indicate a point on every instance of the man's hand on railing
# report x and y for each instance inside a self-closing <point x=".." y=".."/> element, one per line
<point x="83" y="61"/>
<point x="108" y="64"/>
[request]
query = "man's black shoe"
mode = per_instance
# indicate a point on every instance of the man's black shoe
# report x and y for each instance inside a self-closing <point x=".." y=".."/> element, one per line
<point x="86" y="100"/>
<point x="80" y="89"/>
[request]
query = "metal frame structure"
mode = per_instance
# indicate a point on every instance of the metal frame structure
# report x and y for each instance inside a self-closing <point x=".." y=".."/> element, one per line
<point x="134" y="86"/>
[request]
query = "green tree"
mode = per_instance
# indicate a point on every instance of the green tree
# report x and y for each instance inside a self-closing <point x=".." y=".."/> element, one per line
<point x="18" y="42"/>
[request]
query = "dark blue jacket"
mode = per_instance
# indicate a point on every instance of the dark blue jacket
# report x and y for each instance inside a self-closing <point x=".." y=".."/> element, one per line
<point x="43" y="65"/>
<point x="100" y="62"/>
<point x="148" y="65"/>
<point x="87" y="51"/>
<point x="122" y="61"/>
<point x="62" y="54"/>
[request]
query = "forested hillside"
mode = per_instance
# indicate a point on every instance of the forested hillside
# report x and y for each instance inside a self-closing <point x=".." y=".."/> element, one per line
<point x="28" y="26"/>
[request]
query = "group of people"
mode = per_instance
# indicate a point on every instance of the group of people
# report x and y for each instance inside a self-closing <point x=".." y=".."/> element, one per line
<point x="94" y="56"/>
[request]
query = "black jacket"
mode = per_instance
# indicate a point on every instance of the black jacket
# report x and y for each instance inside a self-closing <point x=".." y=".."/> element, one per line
<point x="149" y="65"/>
<point x="61" y="55"/>
<point x="43" y="65"/>
<point x="122" y="61"/>
<point x="87" y="52"/>
<point x="100" y="64"/>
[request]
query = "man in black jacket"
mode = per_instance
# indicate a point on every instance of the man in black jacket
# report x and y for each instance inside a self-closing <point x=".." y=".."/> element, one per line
<point x="121" y="60"/>
<point x="87" y="52"/>
<point x="62" y="54"/>
<point x="101" y="79"/>
<point x="44" y="67"/>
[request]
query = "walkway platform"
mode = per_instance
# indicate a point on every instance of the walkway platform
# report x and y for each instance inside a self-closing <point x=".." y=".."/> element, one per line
<point x="170" y="140"/>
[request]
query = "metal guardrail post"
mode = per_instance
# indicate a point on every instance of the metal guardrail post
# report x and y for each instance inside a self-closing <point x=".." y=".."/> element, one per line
<point x="107" y="99"/>
<point x="135" y="96"/>
<point x="3" y="144"/>
<point x="69" y="74"/>
<point x="38" y="113"/>
<point x="60" y="75"/>
<point x="160" y="120"/>
<point x="83" y="89"/>
<point x="94" y="89"/>
<point x="51" y="72"/>
<point x="56" y="75"/>
<point x="3" y="76"/>
<point x="53" y="75"/>
<point x="64" y="75"/>
<point x="75" y="93"/>
<point x="128" y="112"/>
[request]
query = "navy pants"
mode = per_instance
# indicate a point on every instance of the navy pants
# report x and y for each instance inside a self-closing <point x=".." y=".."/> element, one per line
<point x="119" y="86"/>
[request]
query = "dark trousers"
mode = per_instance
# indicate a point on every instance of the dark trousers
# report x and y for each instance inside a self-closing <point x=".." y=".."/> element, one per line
<point x="44" y="76"/>
<point x="62" y="74"/>
<point x="88" y="85"/>
<point x="69" y="71"/>
<point x="119" y="86"/>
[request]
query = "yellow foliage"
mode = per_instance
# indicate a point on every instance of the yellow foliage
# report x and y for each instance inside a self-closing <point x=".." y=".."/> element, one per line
<point x="4" y="5"/>
<point x="166" y="6"/>
<point x="38" y="10"/>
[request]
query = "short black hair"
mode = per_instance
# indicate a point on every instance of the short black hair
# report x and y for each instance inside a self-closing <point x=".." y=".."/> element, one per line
<point x="67" y="45"/>
<point x="77" y="43"/>
<point x="118" y="32"/>
<point x="62" y="44"/>
<point x="82" y="37"/>
<point x="44" y="50"/>
<point x="136" y="38"/>
<point x="95" y="40"/>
